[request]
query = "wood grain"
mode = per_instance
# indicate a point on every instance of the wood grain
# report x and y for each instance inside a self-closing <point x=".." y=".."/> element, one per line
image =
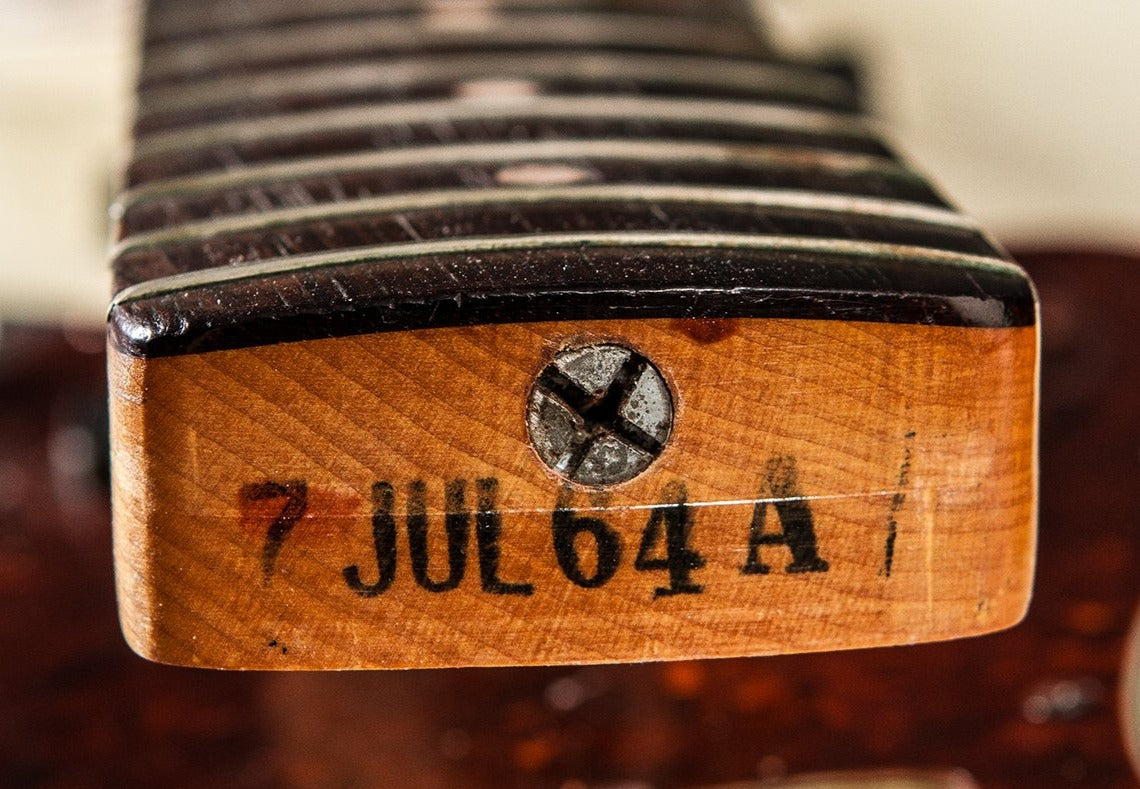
<point x="915" y="437"/>
<point x="353" y="238"/>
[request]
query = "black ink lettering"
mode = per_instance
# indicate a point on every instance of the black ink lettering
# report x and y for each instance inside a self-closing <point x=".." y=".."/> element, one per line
<point x="457" y="524"/>
<point x="296" y="495"/>
<point x="679" y="559"/>
<point x="897" y="502"/>
<point x="797" y="527"/>
<point x="566" y="526"/>
<point x="384" y="541"/>
<point x="488" y="527"/>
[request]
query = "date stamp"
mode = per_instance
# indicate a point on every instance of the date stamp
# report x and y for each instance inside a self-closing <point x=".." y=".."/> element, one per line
<point x="779" y="537"/>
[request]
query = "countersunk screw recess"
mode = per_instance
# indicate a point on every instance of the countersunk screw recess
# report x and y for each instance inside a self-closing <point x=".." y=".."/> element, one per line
<point x="599" y="414"/>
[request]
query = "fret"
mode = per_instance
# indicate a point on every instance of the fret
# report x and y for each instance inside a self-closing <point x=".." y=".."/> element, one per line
<point x="236" y="157"/>
<point x="457" y="70"/>
<point x="371" y="259"/>
<point x="337" y="41"/>
<point x="871" y="253"/>
<point x="177" y="152"/>
<point x="175" y="20"/>
<point x="321" y="180"/>
<point x="641" y="149"/>
<point x="143" y="263"/>
<point x="503" y="212"/>
<point x="442" y="77"/>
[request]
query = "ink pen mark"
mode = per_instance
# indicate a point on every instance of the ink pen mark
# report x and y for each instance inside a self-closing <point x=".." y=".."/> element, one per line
<point x="897" y="502"/>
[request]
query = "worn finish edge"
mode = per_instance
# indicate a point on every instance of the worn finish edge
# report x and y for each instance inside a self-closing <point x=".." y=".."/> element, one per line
<point x="515" y="280"/>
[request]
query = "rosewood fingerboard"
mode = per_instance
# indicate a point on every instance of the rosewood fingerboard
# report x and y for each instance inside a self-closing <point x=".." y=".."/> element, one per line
<point x="482" y="333"/>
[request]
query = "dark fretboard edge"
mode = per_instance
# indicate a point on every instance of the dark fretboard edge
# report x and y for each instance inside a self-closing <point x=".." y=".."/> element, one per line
<point x="386" y="290"/>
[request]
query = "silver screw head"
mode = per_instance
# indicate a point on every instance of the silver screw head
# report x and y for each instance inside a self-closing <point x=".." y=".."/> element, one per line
<point x="599" y="414"/>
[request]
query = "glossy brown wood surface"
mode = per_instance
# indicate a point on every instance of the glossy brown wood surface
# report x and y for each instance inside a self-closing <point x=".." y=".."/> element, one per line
<point x="81" y="710"/>
<point x="909" y="450"/>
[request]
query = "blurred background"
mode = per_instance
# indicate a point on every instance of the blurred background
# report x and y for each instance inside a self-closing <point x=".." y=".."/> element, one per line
<point x="1027" y="112"/>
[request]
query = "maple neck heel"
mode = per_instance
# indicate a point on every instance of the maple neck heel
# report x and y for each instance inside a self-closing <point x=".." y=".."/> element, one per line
<point x="524" y="333"/>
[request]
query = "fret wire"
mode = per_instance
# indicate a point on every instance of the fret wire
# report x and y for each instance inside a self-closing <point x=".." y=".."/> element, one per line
<point x="690" y="72"/>
<point x="633" y="108"/>
<point x="364" y="255"/>
<point x="647" y="150"/>
<point x="323" y="215"/>
<point x="181" y="19"/>
<point x="507" y="219"/>
<point x="639" y="193"/>
<point x="328" y="39"/>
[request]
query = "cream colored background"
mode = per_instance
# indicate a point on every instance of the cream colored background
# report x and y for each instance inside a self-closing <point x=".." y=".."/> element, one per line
<point x="1026" y="111"/>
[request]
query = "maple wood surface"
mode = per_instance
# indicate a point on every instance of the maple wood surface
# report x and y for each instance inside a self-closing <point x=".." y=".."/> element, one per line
<point x="912" y="448"/>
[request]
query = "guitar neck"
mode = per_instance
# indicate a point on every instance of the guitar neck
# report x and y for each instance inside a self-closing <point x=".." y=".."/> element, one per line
<point x="601" y="298"/>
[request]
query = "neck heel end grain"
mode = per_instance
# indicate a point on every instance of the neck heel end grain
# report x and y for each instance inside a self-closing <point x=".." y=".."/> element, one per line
<point x="377" y="500"/>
